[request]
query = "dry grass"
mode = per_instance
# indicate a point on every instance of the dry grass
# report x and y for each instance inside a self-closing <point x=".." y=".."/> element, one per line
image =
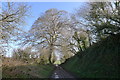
<point x="12" y="68"/>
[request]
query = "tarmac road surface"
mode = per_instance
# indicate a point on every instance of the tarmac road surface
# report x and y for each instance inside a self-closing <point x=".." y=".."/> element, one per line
<point x="61" y="73"/>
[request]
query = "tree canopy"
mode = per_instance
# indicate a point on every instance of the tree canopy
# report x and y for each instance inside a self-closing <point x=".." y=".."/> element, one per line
<point x="12" y="16"/>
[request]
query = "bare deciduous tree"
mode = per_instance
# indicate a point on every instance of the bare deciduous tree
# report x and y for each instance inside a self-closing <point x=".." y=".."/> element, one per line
<point x="12" y="16"/>
<point x="49" y="29"/>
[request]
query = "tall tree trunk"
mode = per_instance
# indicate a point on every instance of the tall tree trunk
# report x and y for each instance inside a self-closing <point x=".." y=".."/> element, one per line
<point x="89" y="39"/>
<point x="51" y="52"/>
<point x="80" y="48"/>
